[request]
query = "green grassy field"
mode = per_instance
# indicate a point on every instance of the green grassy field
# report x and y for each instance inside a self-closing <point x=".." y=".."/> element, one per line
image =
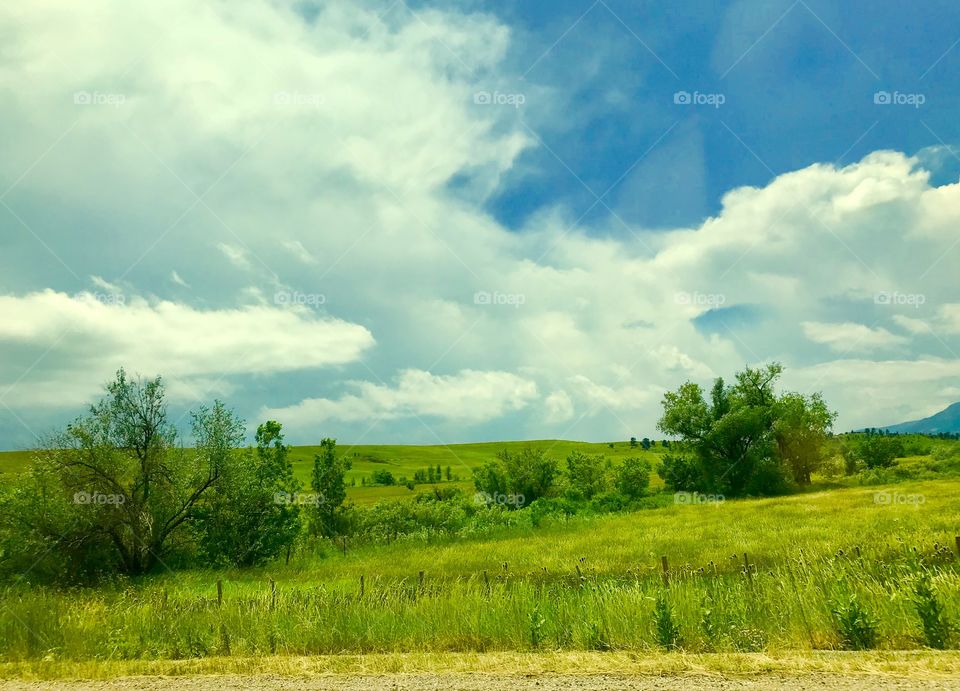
<point x="406" y="460"/>
<point x="14" y="461"/>
<point x="580" y="584"/>
<point x="838" y="566"/>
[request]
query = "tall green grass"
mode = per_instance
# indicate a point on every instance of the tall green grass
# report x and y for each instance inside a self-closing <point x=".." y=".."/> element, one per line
<point x="827" y="570"/>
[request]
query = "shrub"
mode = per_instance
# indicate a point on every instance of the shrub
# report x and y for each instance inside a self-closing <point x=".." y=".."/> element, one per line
<point x="633" y="477"/>
<point x="664" y="627"/>
<point x="679" y="473"/>
<point x="609" y="502"/>
<point x="528" y="475"/>
<point x="855" y="624"/>
<point x="587" y="475"/>
<point x="552" y="507"/>
<point x="933" y="620"/>
<point x="381" y="476"/>
<point x="877" y="451"/>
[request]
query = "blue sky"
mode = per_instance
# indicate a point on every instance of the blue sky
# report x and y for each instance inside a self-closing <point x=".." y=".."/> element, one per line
<point x="435" y="222"/>
<point x="798" y="78"/>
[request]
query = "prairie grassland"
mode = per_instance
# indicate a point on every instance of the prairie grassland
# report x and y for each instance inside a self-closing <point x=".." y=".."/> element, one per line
<point x="406" y="460"/>
<point x="824" y="570"/>
<point x="14" y="462"/>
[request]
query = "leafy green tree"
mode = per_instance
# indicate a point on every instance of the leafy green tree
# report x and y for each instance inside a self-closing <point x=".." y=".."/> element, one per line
<point x="114" y="491"/>
<point x="587" y="475"/>
<point x="745" y="439"/>
<point x="681" y="473"/>
<point x="801" y="429"/>
<point x="633" y="477"/>
<point x="253" y="514"/>
<point x="876" y="451"/>
<point x="329" y="487"/>
<point x="526" y="476"/>
<point x="382" y="476"/>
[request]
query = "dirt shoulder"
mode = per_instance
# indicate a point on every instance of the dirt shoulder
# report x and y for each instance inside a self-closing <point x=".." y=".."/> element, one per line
<point x="544" y="671"/>
<point x="490" y="682"/>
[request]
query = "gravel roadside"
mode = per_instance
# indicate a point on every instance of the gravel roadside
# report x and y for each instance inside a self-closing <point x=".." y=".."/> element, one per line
<point x="489" y="682"/>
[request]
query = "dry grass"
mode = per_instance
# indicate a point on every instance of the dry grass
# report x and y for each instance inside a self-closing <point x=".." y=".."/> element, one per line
<point x="908" y="664"/>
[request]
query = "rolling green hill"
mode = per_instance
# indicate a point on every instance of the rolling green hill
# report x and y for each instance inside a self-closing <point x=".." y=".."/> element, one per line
<point x="403" y="460"/>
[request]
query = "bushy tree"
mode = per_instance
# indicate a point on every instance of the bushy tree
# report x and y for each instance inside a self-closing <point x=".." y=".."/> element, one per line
<point x="329" y="487"/>
<point x="529" y="474"/>
<point x="801" y="429"/>
<point x="382" y="476"/>
<point x="681" y="473"/>
<point x="253" y="514"/>
<point x="745" y="439"/>
<point x="114" y="491"/>
<point x="876" y="451"/>
<point x="633" y="477"/>
<point x="587" y="475"/>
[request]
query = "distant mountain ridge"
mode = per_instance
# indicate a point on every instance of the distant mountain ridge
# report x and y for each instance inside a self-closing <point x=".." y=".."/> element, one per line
<point x="947" y="420"/>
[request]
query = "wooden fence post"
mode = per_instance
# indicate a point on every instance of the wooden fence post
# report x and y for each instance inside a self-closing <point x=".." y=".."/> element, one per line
<point x="420" y="581"/>
<point x="361" y="585"/>
<point x="746" y="566"/>
<point x="219" y="592"/>
<point x="666" y="569"/>
<point x="273" y="594"/>
<point x="957" y="538"/>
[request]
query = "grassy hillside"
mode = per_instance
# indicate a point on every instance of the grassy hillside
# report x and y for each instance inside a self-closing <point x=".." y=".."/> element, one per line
<point x="13" y="461"/>
<point x="406" y="460"/>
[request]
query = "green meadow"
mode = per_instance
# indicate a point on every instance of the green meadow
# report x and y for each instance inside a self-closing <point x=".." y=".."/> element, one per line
<point x="406" y="460"/>
<point x="822" y="570"/>
<point x="839" y="566"/>
<point x="460" y="458"/>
